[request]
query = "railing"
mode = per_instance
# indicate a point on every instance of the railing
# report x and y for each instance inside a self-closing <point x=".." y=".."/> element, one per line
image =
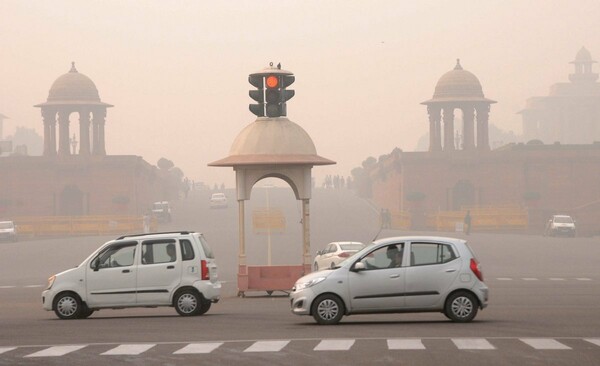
<point x="482" y="218"/>
<point x="83" y="225"/>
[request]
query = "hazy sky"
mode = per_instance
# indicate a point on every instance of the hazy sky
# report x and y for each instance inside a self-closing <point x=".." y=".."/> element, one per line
<point x="177" y="71"/>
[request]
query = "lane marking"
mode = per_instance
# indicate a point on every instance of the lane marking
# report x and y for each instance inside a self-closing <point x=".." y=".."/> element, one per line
<point x="405" y="344"/>
<point x="55" y="351"/>
<point x="8" y="286"/>
<point x="583" y="279"/>
<point x="6" y="349"/>
<point x="267" y="346"/>
<point x="544" y="343"/>
<point x="472" y="343"/>
<point x="504" y="279"/>
<point x="129" y="349"/>
<point x="556" y="279"/>
<point x="529" y="279"/>
<point x="595" y="341"/>
<point x="334" y="345"/>
<point x="199" y="348"/>
<point x="33" y="286"/>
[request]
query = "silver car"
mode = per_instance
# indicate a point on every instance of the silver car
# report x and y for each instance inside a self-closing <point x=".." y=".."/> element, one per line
<point x="396" y="275"/>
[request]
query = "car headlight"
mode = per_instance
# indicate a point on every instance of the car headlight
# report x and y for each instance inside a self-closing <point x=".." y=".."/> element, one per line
<point x="50" y="282"/>
<point x="302" y="285"/>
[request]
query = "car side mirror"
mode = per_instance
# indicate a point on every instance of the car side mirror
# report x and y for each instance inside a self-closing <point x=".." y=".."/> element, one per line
<point x="358" y="266"/>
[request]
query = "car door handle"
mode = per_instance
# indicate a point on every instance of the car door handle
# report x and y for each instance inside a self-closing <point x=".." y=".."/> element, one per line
<point x="170" y="267"/>
<point x="125" y="271"/>
<point x="394" y="276"/>
<point x="451" y="270"/>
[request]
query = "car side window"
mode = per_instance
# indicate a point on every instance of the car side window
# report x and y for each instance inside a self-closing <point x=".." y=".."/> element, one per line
<point x="422" y="254"/>
<point x="187" y="251"/>
<point x="389" y="256"/>
<point x="159" y="251"/>
<point x="331" y="248"/>
<point x="118" y="255"/>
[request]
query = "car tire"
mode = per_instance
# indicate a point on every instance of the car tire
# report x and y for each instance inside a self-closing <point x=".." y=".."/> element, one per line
<point x="68" y="305"/>
<point x="188" y="303"/>
<point x="461" y="307"/>
<point x="85" y="312"/>
<point x="332" y="265"/>
<point x="316" y="266"/>
<point x="327" y="309"/>
<point x="204" y="307"/>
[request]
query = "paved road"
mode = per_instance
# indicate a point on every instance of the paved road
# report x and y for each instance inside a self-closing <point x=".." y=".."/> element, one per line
<point x="544" y="307"/>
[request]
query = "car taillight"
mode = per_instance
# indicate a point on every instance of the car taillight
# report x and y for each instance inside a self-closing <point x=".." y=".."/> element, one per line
<point x="344" y="255"/>
<point x="476" y="268"/>
<point x="204" y="269"/>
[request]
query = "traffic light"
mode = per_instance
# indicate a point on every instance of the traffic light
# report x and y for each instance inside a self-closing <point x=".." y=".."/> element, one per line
<point x="257" y="95"/>
<point x="271" y="93"/>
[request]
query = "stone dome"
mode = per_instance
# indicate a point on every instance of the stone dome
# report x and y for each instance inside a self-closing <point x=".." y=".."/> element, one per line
<point x="272" y="141"/>
<point x="583" y="55"/>
<point x="73" y="88"/>
<point x="458" y="85"/>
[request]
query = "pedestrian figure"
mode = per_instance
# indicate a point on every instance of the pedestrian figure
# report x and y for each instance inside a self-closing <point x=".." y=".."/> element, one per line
<point x="467" y="223"/>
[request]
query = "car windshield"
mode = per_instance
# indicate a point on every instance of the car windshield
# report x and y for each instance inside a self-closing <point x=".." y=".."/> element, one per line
<point x="161" y="206"/>
<point x="352" y="246"/>
<point x="354" y="256"/>
<point x="563" y="220"/>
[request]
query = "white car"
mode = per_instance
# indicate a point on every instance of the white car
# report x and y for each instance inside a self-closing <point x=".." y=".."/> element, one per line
<point x="175" y="269"/>
<point x="218" y="200"/>
<point x="162" y="211"/>
<point x="396" y="275"/>
<point x="336" y="252"/>
<point x="560" y="225"/>
<point x="8" y="231"/>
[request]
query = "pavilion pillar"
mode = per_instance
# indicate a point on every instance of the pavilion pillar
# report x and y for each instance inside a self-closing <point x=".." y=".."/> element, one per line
<point x="448" y="128"/>
<point x="99" y="117"/>
<point x="84" y="132"/>
<point x="468" y="128"/>
<point x="49" y="119"/>
<point x="435" y="133"/>
<point x="483" y="140"/>
<point x="64" y="147"/>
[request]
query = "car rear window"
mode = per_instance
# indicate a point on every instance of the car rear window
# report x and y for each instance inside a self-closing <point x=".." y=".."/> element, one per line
<point x="352" y="246"/>
<point x="187" y="250"/>
<point x="207" y="250"/>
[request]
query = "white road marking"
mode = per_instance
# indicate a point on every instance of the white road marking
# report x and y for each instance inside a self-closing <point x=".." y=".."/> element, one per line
<point x="199" y="348"/>
<point x="55" y="351"/>
<point x="405" y="344"/>
<point x="472" y="343"/>
<point x="8" y="286"/>
<point x="595" y="341"/>
<point x="529" y="279"/>
<point x="6" y="349"/>
<point x="556" y="279"/>
<point x="129" y="349"/>
<point x="334" y="345"/>
<point x="33" y="286"/>
<point x="583" y="279"/>
<point x="504" y="279"/>
<point x="267" y="346"/>
<point x="544" y="343"/>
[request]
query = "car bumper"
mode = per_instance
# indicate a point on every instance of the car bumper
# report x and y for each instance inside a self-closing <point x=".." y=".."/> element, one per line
<point x="300" y="301"/>
<point x="47" y="297"/>
<point x="210" y="291"/>
<point x="483" y="293"/>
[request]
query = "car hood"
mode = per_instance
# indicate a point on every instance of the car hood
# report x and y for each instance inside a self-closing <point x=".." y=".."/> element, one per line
<point x="313" y="275"/>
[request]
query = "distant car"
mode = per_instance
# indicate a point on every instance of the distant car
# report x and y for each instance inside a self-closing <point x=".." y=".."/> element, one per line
<point x="560" y="225"/>
<point x="218" y="200"/>
<point x="396" y="275"/>
<point x="8" y="231"/>
<point x="162" y="211"/>
<point x="336" y="252"/>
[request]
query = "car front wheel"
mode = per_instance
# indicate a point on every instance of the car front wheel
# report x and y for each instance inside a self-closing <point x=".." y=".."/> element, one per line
<point x="68" y="306"/>
<point x="328" y="309"/>
<point x="461" y="307"/>
<point x="188" y="303"/>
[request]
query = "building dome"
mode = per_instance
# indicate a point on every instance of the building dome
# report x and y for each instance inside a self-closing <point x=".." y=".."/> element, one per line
<point x="583" y="56"/>
<point x="458" y="85"/>
<point x="272" y="141"/>
<point x="73" y="88"/>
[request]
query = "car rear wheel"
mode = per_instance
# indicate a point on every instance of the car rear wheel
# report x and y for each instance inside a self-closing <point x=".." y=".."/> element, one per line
<point x="85" y="312"/>
<point x="328" y="309"/>
<point x="461" y="307"/>
<point x="68" y="306"/>
<point x="188" y="303"/>
<point x="316" y="266"/>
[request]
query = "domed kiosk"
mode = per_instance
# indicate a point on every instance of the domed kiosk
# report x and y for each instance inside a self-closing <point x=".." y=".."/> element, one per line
<point x="460" y="89"/>
<point x="272" y="147"/>
<point x="74" y="92"/>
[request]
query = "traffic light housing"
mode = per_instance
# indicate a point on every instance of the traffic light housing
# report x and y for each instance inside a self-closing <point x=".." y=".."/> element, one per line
<point x="271" y="93"/>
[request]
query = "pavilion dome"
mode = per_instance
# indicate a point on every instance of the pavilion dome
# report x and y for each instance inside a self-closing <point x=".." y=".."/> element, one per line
<point x="73" y="88"/>
<point x="583" y="55"/>
<point x="272" y="141"/>
<point x="458" y="85"/>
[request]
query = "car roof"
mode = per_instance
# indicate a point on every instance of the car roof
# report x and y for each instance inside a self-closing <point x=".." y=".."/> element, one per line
<point x="396" y="239"/>
<point x="168" y="234"/>
<point x="561" y="216"/>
